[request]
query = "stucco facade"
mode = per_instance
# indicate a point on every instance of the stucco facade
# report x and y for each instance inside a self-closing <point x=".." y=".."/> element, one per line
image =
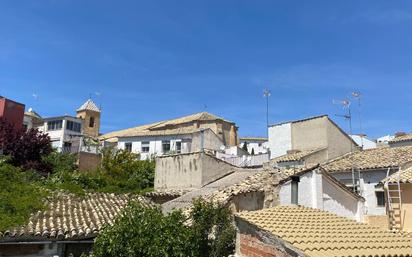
<point x="318" y="190"/>
<point x="148" y="146"/>
<point x="188" y="171"/>
<point x="309" y="134"/>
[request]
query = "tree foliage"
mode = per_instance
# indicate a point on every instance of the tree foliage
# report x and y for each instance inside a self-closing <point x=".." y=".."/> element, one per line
<point x="146" y="232"/>
<point x="26" y="148"/>
<point x="19" y="197"/>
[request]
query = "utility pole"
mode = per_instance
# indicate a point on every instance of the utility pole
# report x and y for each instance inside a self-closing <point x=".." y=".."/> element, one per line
<point x="266" y="94"/>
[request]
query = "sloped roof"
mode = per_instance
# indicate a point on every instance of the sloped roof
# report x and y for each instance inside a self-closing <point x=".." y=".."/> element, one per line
<point x="89" y="105"/>
<point x="69" y="217"/>
<point x="300" y="120"/>
<point x="407" y="137"/>
<point x="160" y="128"/>
<point x="296" y="156"/>
<point x="377" y="158"/>
<point x="404" y="176"/>
<point x="320" y="234"/>
<point x="32" y="113"/>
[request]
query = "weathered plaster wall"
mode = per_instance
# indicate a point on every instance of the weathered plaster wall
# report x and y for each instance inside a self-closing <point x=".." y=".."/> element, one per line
<point x="280" y="139"/>
<point x="89" y="161"/>
<point x="340" y="202"/>
<point x="407" y="207"/>
<point x="192" y="170"/>
<point x="305" y="192"/>
<point x="248" y="202"/>
<point x="310" y="134"/>
<point x="338" y="142"/>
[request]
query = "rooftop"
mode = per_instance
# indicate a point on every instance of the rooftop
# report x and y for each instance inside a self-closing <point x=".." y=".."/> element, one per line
<point x="320" y="234"/>
<point x="295" y="156"/>
<point x="69" y="217"/>
<point x="404" y="176"/>
<point x="300" y="120"/>
<point x="89" y="105"/>
<point x="163" y="127"/>
<point x="407" y="137"/>
<point x="377" y="158"/>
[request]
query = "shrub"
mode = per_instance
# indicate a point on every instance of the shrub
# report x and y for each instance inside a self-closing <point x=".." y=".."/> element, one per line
<point x="19" y="197"/>
<point x="146" y="232"/>
<point x="26" y="148"/>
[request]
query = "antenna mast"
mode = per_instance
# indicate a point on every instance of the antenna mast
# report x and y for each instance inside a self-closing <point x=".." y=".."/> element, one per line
<point x="348" y="116"/>
<point x="357" y="95"/>
<point x="266" y="94"/>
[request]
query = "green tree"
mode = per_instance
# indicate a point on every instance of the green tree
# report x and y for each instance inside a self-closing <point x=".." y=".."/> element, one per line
<point x="19" y="196"/>
<point x="146" y="232"/>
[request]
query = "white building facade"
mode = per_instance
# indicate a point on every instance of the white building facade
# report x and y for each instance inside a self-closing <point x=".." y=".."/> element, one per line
<point x="317" y="189"/>
<point x="255" y="145"/>
<point x="65" y="132"/>
<point x="148" y="146"/>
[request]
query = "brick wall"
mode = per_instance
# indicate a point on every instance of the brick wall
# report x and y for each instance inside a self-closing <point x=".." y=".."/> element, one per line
<point x="252" y="241"/>
<point x="253" y="247"/>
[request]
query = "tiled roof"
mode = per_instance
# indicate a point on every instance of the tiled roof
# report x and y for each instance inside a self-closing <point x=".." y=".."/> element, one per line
<point x="296" y="156"/>
<point x="89" y="105"/>
<point x="407" y="137"/>
<point x="70" y="217"/>
<point x="377" y="158"/>
<point x="322" y="234"/>
<point x="32" y="113"/>
<point x="160" y="128"/>
<point x="404" y="176"/>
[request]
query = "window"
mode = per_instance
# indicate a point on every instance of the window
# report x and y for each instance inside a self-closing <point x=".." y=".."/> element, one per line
<point x="73" y="126"/>
<point x="165" y="146"/>
<point x="91" y="122"/>
<point x="128" y="146"/>
<point x="145" y="147"/>
<point x="178" y="147"/>
<point x="54" y="124"/>
<point x="380" y="198"/>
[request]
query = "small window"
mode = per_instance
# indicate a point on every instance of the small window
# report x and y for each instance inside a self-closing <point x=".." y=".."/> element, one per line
<point x="91" y="122"/>
<point x="145" y="147"/>
<point x="128" y="147"/>
<point x="380" y="198"/>
<point x="54" y="125"/>
<point x="178" y="147"/>
<point x="165" y="146"/>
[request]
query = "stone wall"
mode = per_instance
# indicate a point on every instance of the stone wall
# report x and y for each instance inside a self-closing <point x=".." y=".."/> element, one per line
<point x="89" y="161"/>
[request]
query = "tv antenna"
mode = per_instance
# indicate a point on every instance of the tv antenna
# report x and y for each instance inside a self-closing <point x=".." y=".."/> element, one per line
<point x="266" y="94"/>
<point x="357" y="96"/>
<point x="345" y="103"/>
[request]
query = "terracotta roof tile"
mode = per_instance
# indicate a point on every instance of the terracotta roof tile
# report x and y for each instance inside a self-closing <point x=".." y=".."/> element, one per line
<point x="376" y="158"/>
<point x="404" y="176"/>
<point x="70" y="216"/>
<point x="161" y="127"/>
<point x="297" y="156"/>
<point x="89" y="105"/>
<point x="318" y="233"/>
<point x="407" y="137"/>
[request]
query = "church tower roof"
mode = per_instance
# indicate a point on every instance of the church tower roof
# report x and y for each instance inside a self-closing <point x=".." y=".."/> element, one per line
<point x="89" y="105"/>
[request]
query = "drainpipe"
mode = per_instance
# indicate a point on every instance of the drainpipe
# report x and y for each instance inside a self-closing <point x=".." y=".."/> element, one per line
<point x="295" y="190"/>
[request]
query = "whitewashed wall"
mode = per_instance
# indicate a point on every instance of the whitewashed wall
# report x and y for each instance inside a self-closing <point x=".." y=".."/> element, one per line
<point x="368" y="182"/>
<point x="280" y="139"/>
<point x="317" y="191"/>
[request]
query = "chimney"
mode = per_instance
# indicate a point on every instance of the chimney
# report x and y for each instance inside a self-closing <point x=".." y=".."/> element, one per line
<point x="295" y="189"/>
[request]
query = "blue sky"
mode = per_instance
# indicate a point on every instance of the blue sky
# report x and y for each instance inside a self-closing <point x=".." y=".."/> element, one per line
<point x="154" y="60"/>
